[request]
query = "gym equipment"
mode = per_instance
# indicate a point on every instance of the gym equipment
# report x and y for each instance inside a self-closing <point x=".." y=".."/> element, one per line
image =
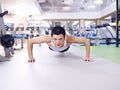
<point x="8" y="51"/>
<point x="4" y="13"/>
<point x="106" y="33"/>
<point x="2" y="59"/>
<point x="7" y="40"/>
<point x="21" y="37"/>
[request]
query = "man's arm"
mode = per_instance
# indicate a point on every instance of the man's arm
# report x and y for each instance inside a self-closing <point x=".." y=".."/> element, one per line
<point x="85" y="41"/>
<point x="87" y="45"/>
<point x="36" y="40"/>
<point x="30" y="50"/>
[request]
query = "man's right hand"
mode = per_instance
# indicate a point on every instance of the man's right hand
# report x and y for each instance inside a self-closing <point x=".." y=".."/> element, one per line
<point x="31" y="60"/>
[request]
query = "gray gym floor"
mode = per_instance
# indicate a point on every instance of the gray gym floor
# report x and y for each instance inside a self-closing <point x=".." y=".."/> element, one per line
<point x="57" y="71"/>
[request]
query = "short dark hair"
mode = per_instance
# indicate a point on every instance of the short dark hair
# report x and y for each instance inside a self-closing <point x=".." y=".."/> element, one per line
<point x="58" y="30"/>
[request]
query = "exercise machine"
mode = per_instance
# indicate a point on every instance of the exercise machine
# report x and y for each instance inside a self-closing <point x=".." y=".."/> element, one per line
<point x="6" y="40"/>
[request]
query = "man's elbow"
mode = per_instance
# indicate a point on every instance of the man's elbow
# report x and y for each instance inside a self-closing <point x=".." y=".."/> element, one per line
<point x="29" y="42"/>
<point x="87" y="41"/>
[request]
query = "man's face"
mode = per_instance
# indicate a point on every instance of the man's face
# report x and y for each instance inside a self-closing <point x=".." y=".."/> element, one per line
<point x="58" y="40"/>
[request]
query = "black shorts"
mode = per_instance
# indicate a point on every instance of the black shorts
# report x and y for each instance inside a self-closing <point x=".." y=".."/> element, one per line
<point x="60" y="51"/>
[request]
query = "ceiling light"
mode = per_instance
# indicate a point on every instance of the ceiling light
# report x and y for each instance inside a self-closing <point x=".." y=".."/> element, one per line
<point x="66" y="8"/>
<point x="91" y="6"/>
<point x="98" y="2"/>
<point x="41" y="1"/>
<point x="68" y="2"/>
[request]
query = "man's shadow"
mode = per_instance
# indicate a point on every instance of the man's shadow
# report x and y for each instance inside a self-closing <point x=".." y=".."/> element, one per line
<point x="68" y="55"/>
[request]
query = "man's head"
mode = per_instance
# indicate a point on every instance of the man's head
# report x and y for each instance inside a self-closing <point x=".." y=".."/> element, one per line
<point x="58" y="30"/>
<point x="58" y="36"/>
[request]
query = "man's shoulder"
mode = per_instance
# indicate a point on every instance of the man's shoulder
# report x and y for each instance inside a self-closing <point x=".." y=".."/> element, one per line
<point x="69" y="38"/>
<point x="47" y="38"/>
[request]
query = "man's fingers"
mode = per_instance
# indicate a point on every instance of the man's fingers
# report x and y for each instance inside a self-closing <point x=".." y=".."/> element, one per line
<point x="31" y="60"/>
<point x="89" y="60"/>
